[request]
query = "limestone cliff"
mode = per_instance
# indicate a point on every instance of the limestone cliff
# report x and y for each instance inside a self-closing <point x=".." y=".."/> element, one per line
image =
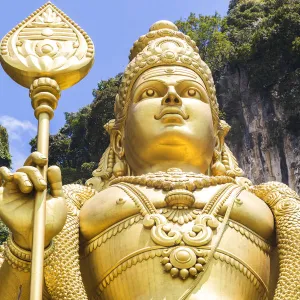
<point x="265" y="130"/>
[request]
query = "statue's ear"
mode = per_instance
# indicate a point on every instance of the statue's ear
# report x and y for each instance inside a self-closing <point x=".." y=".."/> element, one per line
<point x="120" y="167"/>
<point x="227" y="157"/>
<point x="112" y="163"/>
<point x="223" y="131"/>
<point x="116" y="139"/>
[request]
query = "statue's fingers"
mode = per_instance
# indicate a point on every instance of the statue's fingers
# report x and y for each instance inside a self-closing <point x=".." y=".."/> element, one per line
<point x="36" y="159"/>
<point x="6" y="175"/>
<point x="35" y="177"/>
<point x="23" y="182"/>
<point x="55" y="181"/>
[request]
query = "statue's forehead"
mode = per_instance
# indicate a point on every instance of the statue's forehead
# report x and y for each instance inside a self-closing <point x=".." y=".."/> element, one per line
<point x="169" y="73"/>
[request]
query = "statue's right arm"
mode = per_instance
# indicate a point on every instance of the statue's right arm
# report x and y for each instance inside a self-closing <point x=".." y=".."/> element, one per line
<point x="285" y="205"/>
<point x="16" y="212"/>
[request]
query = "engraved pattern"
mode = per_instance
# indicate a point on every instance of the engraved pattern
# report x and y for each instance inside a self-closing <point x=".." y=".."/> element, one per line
<point x="162" y="232"/>
<point x="15" y="262"/>
<point x="250" y="235"/>
<point x="155" y="33"/>
<point x="183" y="261"/>
<point x="246" y="270"/>
<point x="202" y="231"/>
<point x="174" y="179"/>
<point x="107" y="234"/>
<point x="62" y="274"/>
<point x="127" y="262"/>
<point x="285" y="205"/>
<point x="179" y="215"/>
<point x="152" y="252"/>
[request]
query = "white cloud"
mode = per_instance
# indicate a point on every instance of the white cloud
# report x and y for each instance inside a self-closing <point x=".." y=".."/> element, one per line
<point x="19" y="134"/>
<point x="18" y="158"/>
<point x="17" y="128"/>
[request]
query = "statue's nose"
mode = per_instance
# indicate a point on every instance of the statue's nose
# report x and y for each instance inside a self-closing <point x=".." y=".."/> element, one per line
<point x="171" y="98"/>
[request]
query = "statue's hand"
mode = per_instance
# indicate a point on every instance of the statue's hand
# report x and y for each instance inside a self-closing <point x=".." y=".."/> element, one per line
<point x="17" y="200"/>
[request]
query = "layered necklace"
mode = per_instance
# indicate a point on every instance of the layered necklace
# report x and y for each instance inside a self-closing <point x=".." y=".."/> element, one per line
<point x="178" y="185"/>
<point x="186" y="252"/>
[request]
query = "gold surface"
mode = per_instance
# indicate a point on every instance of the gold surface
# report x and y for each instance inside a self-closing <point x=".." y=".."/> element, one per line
<point x="172" y="218"/>
<point x="47" y="44"/>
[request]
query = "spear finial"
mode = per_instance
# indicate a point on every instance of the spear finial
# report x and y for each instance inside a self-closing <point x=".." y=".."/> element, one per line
<point x="47" y="52"/>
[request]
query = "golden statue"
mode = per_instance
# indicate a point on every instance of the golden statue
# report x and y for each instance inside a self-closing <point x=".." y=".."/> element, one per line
<point x="167" y="214"/>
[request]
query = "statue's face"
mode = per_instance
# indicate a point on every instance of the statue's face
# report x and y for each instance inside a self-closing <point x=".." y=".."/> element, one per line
<point x="169" y="122"/>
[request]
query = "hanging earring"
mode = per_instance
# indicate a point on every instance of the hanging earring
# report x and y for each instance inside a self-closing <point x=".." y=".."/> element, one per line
<point x="119" y="168"/>
<point x="217" y="169"/>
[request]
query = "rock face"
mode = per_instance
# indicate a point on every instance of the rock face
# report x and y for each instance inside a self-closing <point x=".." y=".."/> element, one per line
<point x="264" y="136"/>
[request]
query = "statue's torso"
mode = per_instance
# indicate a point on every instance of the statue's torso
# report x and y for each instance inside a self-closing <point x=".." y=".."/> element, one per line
<point x="122" y="261"/>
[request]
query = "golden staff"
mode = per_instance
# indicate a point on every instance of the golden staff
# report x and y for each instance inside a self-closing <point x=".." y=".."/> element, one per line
<point x="47" y="52"/>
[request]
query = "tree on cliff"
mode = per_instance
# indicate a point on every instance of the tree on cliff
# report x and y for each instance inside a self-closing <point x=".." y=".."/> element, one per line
<point x="5" y="157"/>
<point x="5" y="160"/>
<point x="209" y="34"/>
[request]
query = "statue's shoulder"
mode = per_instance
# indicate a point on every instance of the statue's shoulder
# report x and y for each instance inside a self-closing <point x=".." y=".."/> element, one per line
<point x="76" y="194"/>
<point x="282" y="200"/>
<point x="272" y="192"/>
<point x="108" y="195"/>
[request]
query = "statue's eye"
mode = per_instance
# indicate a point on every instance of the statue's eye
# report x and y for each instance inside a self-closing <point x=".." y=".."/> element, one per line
<point x="191" y="93"/>
<point x="149" y="93"/>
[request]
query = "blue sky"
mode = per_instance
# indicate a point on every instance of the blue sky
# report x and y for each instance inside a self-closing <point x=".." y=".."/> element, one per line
<point x="113" y="26"/>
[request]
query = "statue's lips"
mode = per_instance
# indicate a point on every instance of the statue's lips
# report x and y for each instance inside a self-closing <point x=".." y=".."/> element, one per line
<point x="171" y="110"/>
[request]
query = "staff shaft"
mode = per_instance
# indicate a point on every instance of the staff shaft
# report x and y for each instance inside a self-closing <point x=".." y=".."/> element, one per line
<point x="37" y="267"/>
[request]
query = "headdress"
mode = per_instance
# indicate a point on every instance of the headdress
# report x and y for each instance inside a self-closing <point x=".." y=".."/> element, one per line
<point x="163" y="45"/>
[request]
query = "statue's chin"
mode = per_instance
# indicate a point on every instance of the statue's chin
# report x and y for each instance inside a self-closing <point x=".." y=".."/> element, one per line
<point x="166" y="154"/>
<point x="170" y="146"/>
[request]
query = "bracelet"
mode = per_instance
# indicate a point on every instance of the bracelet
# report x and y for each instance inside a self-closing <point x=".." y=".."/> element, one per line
<point x="18" y="251"/>
<point x="19" y="258"/>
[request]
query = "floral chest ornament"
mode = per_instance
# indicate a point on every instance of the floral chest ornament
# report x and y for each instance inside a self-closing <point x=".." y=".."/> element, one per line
<point x="187" y="251"/>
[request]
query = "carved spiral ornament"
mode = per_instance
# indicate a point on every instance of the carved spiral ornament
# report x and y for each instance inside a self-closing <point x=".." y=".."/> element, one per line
<point x="286" y="206"/>
<point x="47" y="44"/>
<point x="183" y="261"/>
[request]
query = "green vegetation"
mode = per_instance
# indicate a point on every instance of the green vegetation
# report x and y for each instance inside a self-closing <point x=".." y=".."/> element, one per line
<point x="5" y="157"/>
<point x="266" y="39"/>
<point x="3" y="233"/>
<point x="5" y="160"/>
<point x="265" y="36"/>
<point x="211" y="39"/>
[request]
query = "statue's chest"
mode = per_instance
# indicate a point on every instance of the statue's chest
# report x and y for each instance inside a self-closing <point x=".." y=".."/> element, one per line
<point x="146" y="226"/>
<point x="178" y="207"/>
